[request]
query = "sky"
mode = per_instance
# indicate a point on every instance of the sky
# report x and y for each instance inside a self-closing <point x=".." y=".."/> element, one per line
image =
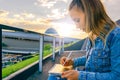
<point x="39" y="15"/>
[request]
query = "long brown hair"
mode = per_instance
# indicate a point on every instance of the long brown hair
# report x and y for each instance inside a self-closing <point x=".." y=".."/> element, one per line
<point x="96" y="19"/>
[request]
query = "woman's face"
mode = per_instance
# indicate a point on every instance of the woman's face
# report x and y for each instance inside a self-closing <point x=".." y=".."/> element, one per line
<point x="78" y="17"/>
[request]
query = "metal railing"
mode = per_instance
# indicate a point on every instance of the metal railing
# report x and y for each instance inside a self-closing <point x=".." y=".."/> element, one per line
<point x="41" y="42"/>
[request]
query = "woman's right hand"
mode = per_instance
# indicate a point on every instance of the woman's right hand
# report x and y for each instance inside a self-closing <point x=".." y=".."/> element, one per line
<point x="66" y="61"/>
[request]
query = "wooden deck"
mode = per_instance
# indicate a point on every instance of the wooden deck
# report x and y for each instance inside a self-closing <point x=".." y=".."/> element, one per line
<point x="47" y="64"/>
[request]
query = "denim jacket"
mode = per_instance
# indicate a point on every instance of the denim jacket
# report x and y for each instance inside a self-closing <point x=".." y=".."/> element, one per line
<point x="101" y="62"/>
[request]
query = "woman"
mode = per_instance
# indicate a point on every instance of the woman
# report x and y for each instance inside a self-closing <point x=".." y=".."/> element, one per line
<point x="102" y="60"/>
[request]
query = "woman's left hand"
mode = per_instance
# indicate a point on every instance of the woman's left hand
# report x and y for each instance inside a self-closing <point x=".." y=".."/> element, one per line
<point x="70" y="75"/>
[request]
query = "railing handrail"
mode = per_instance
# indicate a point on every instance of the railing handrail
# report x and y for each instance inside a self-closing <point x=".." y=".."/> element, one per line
<point x="24" y="30"/>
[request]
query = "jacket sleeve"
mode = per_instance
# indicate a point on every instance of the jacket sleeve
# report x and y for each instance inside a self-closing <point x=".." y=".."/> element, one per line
<point x="79" y="61"/>
<point x="115" y="65"/>
<point x="82" y="60"/>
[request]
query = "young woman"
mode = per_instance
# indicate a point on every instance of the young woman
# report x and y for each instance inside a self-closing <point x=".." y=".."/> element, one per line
<point x="102" y="60"/>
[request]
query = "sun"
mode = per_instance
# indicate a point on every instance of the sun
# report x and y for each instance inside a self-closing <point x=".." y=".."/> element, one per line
<point x="65" y="29"/>
<point x="69" y="30"/>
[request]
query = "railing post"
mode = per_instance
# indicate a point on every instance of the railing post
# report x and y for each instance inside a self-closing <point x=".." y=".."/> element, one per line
<point x="53" y="53"/>
<point x="63" y="45"/>
<point x="41" y="53"/>
<point x="1" y="42"/>
<point x="60" y="46"/>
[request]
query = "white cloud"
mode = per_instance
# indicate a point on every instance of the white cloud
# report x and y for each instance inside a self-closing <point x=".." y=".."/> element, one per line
<point x="28" y="15"/>
<point x="37" y="25"/>
<point x="57" y="14"/>
<point x="48" y="3"/>
<point x="3" y="13"/>
<point x="17" y="16"/>
<point x="45" y="3"/>
<point x="64" y="1"/>
<point x="24" y="16"/>
<point x="106" y="0"/>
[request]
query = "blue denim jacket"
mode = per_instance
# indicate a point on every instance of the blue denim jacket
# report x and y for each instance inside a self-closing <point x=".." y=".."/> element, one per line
<point x="101" y="62"/>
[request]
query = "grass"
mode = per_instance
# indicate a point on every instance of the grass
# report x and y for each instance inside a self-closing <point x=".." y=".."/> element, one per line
<point x="47" y="52"/>
<point x="15" y="67"/>
<point x="70" y="44"/>
<point x="67" y="45"/>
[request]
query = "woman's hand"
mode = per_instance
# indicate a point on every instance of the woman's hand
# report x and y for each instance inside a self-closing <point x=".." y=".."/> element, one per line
<point x="67" y="61"/>
<point x="70" y="75"/>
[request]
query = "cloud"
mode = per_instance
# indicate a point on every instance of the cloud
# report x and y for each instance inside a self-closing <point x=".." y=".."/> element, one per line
<point x="4" y="13"/>
<point x="37" y="25"/>
<point x="24" y="16"/>
<point x="65" y="1"/>
<point x="57" y="14"/>
<point x="106" y="0"/>
<point x="68" y="30"/>
<point x="45" y="3"/>
<point x="28" y="15"/>
<point x="48" y="3"/>
<point x="53" y="9"/>
<point x="38" y="21"/>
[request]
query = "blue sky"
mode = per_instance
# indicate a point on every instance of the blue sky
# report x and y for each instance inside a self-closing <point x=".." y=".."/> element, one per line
<point x="38" y="15"/>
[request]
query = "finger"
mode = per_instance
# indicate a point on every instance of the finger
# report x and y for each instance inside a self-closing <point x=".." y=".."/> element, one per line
<point x="66" y="75"/>
<point x="68" y="62"/>
<point x="62" y="60"/>
<point x="66" y="72"/>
